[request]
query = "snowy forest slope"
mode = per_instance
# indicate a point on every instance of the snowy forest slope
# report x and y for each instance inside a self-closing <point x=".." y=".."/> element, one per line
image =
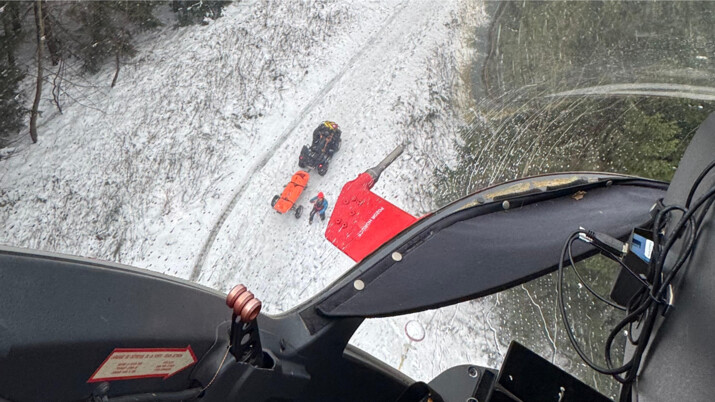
<point x="205" y="126"/>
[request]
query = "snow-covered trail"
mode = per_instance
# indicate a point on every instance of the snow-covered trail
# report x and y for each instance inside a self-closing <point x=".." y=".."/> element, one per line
<point x="270" y="252"/>
<point x="265" y="157"/>
<point x="142" y="175"/>
<point x="381" y="100"/>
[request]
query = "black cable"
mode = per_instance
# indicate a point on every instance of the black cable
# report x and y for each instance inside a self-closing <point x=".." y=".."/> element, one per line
<point x="679" y="227"/>
<point x="697" y="181"/>
<point x="603" y="370"/>
<point x="593" y="292"/>
<point x="644" y="306"/>
<point x="658" y="288"/>
<point x="647" y="307"/>
<point x="630" y="318"/>
<point x="630" y="307"/>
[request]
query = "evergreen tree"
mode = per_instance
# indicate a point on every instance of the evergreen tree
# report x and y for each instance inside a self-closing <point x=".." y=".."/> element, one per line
<point x="11" y="109"/>
<point x="190" y="12"/>
<point x="106" y="28"/>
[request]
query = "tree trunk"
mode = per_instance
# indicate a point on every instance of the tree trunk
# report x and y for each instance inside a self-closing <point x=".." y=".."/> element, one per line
<point x="38" y="92"/>
<point x="9" y="36"/>
<point x="116" y="73"/>
<point x="14" y="13"/>
<point x="53" y="44"/>
<point x="57" y="83"/>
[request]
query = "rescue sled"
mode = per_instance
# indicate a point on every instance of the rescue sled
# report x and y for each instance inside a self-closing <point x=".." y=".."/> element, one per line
<point x="292" y="191"/>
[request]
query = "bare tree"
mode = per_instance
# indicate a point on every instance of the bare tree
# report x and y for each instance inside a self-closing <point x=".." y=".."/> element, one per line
<point x="116" y="73"/>
<point x="38" y="92"/>
<point x="53" y="44"/>
<point x="57" y="85"/>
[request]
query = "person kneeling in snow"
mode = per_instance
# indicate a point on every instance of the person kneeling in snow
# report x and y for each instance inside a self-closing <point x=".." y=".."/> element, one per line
<point x="320" y="205"/>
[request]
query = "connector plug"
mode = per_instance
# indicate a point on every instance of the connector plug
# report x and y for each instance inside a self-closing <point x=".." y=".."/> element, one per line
<point x="604" y="241"/>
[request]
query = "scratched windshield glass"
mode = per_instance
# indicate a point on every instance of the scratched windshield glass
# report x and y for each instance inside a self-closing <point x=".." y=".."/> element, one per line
<point x="562" y="86"/>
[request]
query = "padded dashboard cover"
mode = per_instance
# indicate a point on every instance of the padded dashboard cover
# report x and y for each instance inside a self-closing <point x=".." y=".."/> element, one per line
<point x="62" y="316"/>
<point x="484" y="249"/>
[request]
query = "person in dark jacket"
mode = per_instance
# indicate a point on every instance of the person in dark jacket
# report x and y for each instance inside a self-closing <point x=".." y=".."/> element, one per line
<point x="320" y="205"/>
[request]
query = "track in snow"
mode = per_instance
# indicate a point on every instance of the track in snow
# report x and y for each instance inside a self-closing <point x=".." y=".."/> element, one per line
<point x="196" y="271"/>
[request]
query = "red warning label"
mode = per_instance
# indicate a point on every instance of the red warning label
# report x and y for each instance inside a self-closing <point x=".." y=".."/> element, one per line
<point x="129" y="364"/>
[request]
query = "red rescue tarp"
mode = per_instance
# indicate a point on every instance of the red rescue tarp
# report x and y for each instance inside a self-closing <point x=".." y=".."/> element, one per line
<point x="363" y="221"/>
